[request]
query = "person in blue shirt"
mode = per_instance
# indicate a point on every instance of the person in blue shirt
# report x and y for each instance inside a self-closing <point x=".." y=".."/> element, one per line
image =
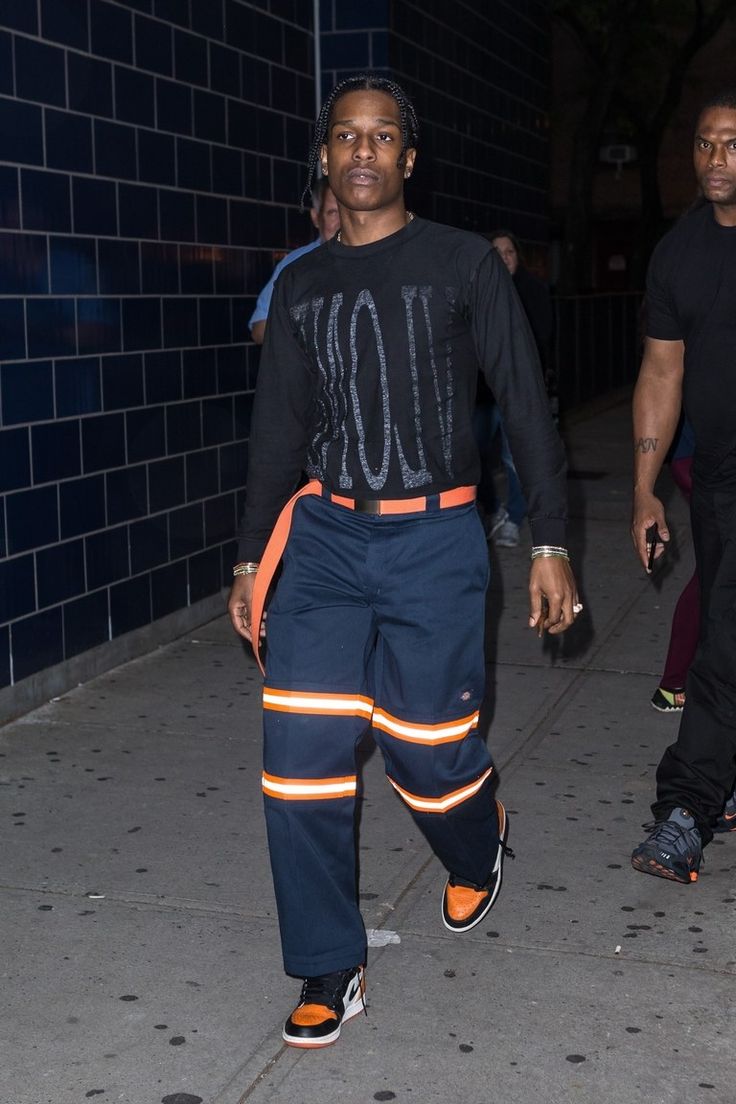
<point x="326" y="219"/>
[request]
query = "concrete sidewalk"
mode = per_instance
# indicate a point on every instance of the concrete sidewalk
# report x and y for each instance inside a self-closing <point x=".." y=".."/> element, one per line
<point x="141" y="957"/>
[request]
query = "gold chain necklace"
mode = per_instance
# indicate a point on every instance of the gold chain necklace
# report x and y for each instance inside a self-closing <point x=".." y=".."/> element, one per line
<point x="409" y="218"/>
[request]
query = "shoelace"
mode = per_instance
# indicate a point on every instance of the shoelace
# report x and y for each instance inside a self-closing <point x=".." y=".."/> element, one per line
<point x="326" y="989"/>
<point x="671" y="834"/>
<point x="456" y="881"/>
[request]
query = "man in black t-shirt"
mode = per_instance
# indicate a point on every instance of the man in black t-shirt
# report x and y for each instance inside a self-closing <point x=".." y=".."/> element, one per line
<point x="371" y="357"/>
<point x="690" y="357"/>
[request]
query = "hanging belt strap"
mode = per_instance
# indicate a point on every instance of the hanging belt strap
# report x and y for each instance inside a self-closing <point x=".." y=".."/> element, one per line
<point x="270" y="560"/>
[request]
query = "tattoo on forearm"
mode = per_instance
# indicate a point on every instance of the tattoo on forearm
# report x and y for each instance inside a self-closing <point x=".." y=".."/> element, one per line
<point x="646" y="444"/>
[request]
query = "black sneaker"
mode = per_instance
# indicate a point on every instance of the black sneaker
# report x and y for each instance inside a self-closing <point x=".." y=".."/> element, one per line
<point x="669" y="701"/>
<point x="727" y="820"/>
<point x="673" y="850"/>
<point x="464" y="904"/>
<point x="326" y="1003"/>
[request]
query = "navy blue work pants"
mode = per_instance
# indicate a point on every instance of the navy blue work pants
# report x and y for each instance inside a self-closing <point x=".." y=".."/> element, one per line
<point x="377" y="621"/>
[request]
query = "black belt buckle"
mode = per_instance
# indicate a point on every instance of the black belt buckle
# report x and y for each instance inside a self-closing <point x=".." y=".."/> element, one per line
<point x="367" y="505"/>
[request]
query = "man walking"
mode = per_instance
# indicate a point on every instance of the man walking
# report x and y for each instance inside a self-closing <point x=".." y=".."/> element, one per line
<point x="689" y="358"/>
<point x="371" y="356"/>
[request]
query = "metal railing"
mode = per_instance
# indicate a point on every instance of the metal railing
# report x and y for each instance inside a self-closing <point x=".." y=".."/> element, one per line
<point x="597" y="345"/>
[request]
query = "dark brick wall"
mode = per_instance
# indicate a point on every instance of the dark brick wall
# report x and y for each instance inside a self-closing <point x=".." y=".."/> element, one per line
<point x="152" y="156"/>
<point x="151" y="162"/>
<point x="478" y="74"/>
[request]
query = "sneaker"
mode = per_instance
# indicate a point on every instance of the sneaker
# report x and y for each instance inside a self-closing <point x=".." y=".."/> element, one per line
<point x="326" y="1003"/>
<point x="495" y="522"/>
<point x="464" y="904"/>
<point x="673" y="850"/>
<point x="669" y="701"/>
<point x="507" y="535"/>
<point x="727" y="820"/>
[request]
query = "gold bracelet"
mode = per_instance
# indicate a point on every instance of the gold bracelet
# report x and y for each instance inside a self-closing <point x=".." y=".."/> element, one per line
<point x="247" y="568"/>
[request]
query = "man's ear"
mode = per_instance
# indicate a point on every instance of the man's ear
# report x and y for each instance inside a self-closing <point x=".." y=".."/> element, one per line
<point x="314" y="215"/>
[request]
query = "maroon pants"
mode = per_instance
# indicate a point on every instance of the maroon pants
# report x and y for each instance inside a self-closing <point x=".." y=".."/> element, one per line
<point x="686" y="618"/>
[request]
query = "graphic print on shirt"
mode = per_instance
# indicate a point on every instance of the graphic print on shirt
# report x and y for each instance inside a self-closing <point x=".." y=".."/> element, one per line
<point x="374" y="480"/>
<point x="344" y="342"/>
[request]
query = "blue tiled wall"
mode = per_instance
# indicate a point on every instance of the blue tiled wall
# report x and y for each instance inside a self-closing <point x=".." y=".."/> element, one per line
<point x="151" y="162"/>
<point x="478" y="73"/>
<point x="143" y="145"/>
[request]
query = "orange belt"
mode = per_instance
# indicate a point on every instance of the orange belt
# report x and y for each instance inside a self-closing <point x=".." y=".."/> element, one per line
<point x="458" y="496"/>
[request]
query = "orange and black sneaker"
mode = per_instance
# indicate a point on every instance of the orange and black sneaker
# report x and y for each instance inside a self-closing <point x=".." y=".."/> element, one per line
<point x="727" y="820"/>
<point x="326" y="1003"/>
<point x="673" y="849"/>
<point x="464" y="904"/>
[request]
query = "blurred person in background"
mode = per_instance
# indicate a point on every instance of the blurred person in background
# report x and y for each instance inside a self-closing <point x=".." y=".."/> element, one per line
<point x="326" y="220"/>
<point x="669" y="697"/>
<point x="502" y="521"/>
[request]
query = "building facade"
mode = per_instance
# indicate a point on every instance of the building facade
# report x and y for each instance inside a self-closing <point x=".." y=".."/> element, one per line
<point x="151" y="168"/>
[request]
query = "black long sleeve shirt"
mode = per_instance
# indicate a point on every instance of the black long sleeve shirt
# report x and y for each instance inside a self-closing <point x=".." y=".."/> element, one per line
<point x="368" y="376"/>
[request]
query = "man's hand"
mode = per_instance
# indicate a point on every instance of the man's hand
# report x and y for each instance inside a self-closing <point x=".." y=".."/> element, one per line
<point x="239" y="605"/>
<point x="648" y="511"/>
<point x="553" y="595"/>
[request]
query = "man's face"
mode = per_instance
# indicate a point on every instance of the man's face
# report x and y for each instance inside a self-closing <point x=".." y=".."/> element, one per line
<point x="327" y="219"/>
<point x="507" y="252"/>
<point x="714" y="155"/>
<point x="362" y="149"/>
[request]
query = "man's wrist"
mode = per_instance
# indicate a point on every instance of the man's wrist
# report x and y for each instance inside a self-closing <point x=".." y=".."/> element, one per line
<point x="246" y="567"/>
<point x="550" y="552"/>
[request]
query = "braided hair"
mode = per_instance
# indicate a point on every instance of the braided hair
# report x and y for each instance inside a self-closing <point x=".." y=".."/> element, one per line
<point x="363" y="82"/>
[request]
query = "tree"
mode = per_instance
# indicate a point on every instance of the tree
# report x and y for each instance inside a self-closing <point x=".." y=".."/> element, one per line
<point x="638" y="53"/>
<point x="603" y="31"/>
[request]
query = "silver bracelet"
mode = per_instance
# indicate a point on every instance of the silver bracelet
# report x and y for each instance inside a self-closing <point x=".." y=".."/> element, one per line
<point x="551" y="551"/>
<point x="248" y="568"/>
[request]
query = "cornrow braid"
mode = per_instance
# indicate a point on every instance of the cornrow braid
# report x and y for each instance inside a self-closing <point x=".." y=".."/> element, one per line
<point x="363" y="82"/>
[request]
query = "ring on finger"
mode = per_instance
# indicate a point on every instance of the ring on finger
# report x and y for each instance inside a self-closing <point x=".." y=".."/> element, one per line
<point x="577" y="608"/>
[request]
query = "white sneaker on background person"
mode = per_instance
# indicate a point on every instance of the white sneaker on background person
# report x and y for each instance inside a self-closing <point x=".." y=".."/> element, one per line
<point x="507" y="535"/>
<point x="495" y="522"/>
